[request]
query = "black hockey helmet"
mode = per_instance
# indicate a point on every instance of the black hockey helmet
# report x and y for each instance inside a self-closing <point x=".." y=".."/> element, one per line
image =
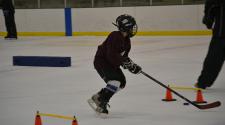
<point x="126" y="23"/>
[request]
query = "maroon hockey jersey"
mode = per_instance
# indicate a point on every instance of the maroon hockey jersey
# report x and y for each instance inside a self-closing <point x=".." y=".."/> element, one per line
<point x="112" y="52"/>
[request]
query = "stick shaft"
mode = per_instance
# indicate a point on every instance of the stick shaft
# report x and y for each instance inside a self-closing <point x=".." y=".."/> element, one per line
<point x="176" y="93"/>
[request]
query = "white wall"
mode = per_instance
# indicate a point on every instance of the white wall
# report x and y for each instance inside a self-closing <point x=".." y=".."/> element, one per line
<point x="38" y="20"/>
<point x="150" y="18"/>
<point x="2" y="22"/>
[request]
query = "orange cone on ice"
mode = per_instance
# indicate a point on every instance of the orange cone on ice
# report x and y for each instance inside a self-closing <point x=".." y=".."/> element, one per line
<point x="38" y="119"/>
<point x="199" y="97"/>
<point x="74" y="122"/>
<point x="168" y="97"/>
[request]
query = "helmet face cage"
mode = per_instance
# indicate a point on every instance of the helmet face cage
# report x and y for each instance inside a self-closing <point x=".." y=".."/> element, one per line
<point x="127" y="23"/>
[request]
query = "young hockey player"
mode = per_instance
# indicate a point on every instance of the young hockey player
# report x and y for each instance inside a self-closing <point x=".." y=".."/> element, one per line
<point x="112" y="54"/>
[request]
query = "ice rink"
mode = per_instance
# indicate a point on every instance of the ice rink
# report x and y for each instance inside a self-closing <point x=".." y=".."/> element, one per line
<point x="64" y="91"/>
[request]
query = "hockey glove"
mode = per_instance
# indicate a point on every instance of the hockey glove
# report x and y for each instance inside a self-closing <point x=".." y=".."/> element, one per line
<point x="210" y="13"/>
<point x="136" y="69"/>
<point x="127" y="63"/>
<point x="208" y="22"/>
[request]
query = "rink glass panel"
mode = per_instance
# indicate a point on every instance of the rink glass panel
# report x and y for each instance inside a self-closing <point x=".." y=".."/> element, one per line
<point x="52" y="3"/>
<point x="106" y="3"/>
<point x="26" y="4"/>
<point x="36" y="4"/>
<point x="79" y="3"/>
<point x="136" y="2"/>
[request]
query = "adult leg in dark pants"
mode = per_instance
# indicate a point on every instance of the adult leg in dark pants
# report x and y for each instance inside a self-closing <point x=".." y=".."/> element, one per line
<point x="10" y="24"/>
<point x="213" y="63"/>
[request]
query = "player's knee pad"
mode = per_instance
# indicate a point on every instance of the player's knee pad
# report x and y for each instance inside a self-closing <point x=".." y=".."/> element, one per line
<point x="113" y="85"/>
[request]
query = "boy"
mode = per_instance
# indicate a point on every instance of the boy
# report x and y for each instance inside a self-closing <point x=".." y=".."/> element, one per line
<point x="112" y="54"/>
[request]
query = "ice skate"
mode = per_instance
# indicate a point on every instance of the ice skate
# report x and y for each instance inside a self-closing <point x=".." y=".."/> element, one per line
<point x="99" y="107"/>
<point x="102" y="110"/>
<point x="94" y="101"/>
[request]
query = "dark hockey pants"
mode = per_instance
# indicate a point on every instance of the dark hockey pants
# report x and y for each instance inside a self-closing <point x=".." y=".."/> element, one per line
<point x="213" y="62"/>
<point x="108" y="74"/>
<point x="10" y="23"/>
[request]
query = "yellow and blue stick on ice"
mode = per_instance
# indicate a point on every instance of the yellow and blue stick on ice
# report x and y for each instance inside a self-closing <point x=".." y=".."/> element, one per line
<point x="173" y="86"/>
<point x="56" y="116"/>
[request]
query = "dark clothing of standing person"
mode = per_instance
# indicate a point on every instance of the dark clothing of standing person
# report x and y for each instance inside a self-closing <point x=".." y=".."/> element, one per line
<point x="9" y="11"/>
<point x="214" y="19"/>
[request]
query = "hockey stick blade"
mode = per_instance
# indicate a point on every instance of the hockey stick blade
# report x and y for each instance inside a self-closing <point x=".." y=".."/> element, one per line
<point x="206" y="106"/>
<point x="210" y="105"/>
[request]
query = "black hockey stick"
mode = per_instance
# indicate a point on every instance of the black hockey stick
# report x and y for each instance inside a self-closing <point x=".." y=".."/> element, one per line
<point x="205" y="106"/>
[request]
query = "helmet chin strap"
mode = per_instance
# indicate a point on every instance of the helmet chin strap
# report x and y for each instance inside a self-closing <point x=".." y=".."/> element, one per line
<point x="125" y="34"/>
<point x="115" y="24"/>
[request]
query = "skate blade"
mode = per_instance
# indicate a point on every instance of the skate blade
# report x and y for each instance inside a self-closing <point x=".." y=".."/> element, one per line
<point x="94" y="107"/>
<point x="92" y="104"/>
<point x="103" y="115"/>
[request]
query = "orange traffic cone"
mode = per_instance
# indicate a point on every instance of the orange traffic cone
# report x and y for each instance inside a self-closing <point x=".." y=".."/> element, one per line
<point x="199" y="97"/>
<point x="168" y="97"/>
<point x="74" y="122"/>
<point x="38" y="119"/>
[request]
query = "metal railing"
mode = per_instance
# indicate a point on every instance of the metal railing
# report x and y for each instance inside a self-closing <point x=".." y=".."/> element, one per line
<point x="37" y="4"/>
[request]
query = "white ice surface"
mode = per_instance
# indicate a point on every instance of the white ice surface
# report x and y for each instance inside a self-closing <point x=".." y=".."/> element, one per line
<point x="64" y="91"/>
